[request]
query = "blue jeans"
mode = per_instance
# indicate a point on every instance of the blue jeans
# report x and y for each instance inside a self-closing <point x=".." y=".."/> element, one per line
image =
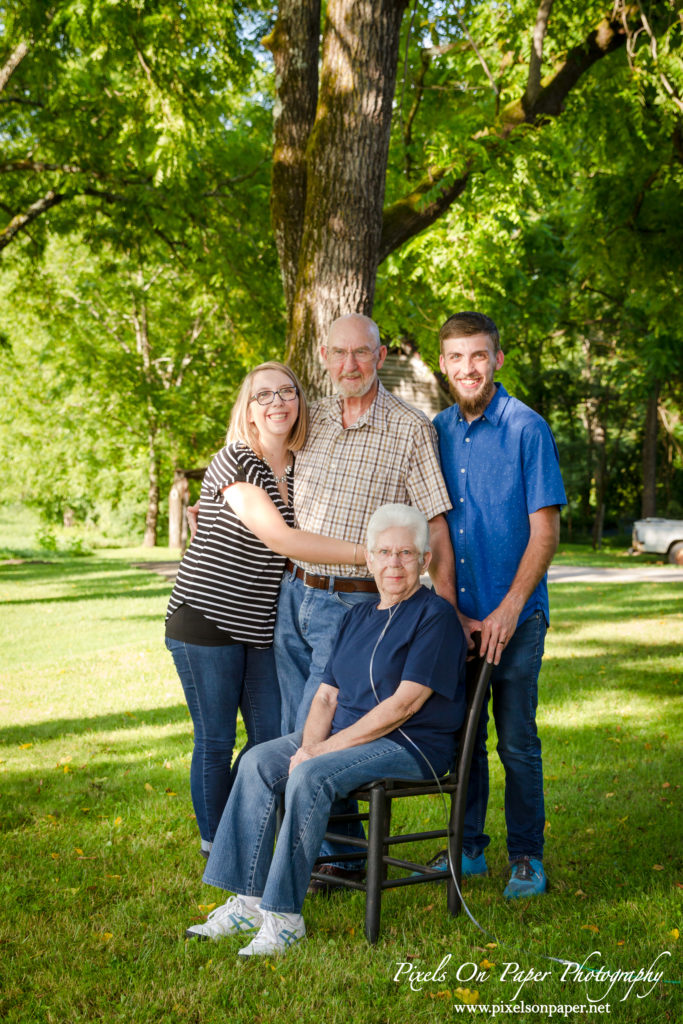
<point x="242" y="859"/>
<point x="217" y="682"/>
<point x="514" y="690"/>
<point x="306" y="628"/>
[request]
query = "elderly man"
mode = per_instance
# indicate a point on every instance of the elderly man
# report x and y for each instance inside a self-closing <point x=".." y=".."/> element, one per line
<point x="500" y="462"/>
<point x="365" y="447"/>
<point x="388" y="705"/>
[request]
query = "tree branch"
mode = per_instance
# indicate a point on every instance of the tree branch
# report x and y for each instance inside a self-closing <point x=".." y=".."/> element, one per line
<point x="12" y="63"/>
<point x="533" y="85"/>
<point x="38" y="166"/>
<point x="406" y="217"/>
<point x="22" y="220"/>
<point x="606" y="38"/>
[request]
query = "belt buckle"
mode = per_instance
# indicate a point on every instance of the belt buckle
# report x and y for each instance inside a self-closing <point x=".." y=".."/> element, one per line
<point x="312" y="576"/>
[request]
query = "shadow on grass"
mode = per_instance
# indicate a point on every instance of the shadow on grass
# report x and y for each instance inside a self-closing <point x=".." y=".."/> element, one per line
<point x="41" y="731"/>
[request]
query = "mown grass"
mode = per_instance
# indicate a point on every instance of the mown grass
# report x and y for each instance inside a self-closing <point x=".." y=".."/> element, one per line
<point x="101" y="871"/>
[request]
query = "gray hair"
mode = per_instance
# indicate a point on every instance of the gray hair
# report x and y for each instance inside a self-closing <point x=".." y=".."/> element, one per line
<point x="387" y="516"/>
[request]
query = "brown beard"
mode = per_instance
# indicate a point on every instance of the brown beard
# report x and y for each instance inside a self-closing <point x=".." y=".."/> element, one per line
<point x="474" y="406"/>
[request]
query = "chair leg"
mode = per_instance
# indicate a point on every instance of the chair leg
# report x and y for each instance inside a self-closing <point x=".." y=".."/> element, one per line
<point x="373" y="879"/>
<point x="455" y="831"/>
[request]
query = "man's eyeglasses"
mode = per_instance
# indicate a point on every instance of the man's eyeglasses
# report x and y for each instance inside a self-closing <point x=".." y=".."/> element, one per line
<point x="287" y="394"/>
<point x="360" y="355"/>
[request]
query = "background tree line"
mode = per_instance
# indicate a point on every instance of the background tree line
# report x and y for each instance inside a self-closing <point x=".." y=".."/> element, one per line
<point x="188" y="189"/>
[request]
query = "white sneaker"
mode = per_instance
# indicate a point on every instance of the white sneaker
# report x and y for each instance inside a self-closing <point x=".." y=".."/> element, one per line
<point x="277" y="933"/>
<point x="233" y="917"/>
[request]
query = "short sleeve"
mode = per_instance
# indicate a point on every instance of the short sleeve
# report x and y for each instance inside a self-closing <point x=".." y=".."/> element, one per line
<point x="233" y="464"/>
<point x="424" y="479"/>
<point x="541" y="466"/>
<point x="437" y="651"/>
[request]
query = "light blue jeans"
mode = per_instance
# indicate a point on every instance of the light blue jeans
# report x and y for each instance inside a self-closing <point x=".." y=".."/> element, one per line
<point x="219" y="681"/>
<point x="514" y="690"/>
<point x="306" y="628"/>
<point x="242" y="859"/>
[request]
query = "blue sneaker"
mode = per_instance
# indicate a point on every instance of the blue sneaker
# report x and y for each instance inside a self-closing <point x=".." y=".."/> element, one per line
<point x="527" y="879"/>
<point x="469" y="865"/>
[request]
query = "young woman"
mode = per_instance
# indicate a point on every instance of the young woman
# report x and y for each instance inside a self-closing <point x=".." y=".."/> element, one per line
<point x="219" y="624"/>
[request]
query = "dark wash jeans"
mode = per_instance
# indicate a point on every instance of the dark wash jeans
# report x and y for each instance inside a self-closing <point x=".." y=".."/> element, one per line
<point x="514" y="693"/>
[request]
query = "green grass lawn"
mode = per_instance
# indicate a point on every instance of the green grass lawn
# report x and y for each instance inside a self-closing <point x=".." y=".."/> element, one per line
<point x="101" y="869"/>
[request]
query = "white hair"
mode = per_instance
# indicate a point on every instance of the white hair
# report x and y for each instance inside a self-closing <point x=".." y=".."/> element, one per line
<point x="387" y="516"/>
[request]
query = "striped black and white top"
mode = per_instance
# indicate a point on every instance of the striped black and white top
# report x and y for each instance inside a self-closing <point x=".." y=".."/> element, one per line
<point x="227" y="573"/>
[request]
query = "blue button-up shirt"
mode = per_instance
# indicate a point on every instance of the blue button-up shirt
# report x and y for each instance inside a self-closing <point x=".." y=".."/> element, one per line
<point x="498" y="470"/>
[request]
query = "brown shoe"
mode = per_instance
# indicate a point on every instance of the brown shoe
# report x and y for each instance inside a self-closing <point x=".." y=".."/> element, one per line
<point x="318" y="887"/>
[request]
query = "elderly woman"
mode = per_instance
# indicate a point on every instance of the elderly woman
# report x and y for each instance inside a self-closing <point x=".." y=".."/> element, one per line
<point x="389" y="704"/>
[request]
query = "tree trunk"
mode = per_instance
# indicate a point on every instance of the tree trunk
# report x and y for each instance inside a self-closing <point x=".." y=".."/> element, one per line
<point x="177" y="515"/>
<point x="649" y="502"/>
<point x="345" y="168"/>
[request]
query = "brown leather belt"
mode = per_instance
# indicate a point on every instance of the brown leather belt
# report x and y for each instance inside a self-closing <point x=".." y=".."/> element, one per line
<point x="343" y="584"/>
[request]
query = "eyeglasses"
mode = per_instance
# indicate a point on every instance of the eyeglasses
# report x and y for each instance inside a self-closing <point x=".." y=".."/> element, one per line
<point x="406" y="556"/>
<point x="361" y="355"/>
<point x="287" y="394"/>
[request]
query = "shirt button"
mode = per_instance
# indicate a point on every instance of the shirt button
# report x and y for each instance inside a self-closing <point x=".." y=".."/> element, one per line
<point x="462" y="590"/>
<point x="462" y="470"/>
<point x="462" y="531"/>
<point x="462" y="560"/>
<point x="461" y="500"/>
<point x="467" y="440"/>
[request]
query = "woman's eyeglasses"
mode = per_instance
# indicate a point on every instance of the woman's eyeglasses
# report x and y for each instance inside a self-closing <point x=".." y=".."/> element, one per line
<point x="287" y="394"/>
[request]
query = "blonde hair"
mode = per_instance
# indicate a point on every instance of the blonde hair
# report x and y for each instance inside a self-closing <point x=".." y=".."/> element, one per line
<point x="240" y="429"/>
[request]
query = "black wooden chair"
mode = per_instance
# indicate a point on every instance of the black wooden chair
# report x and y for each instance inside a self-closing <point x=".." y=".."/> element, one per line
<point x="379" y="796"/>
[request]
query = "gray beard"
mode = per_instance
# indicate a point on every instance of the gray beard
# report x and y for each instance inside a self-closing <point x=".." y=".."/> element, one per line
<point x="474" y="406"/>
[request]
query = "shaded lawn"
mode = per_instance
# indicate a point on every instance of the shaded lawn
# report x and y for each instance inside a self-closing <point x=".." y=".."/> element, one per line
<point x="99" y="847"/>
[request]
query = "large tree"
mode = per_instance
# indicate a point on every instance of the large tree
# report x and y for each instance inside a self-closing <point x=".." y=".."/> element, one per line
<point x="336" y="94"/>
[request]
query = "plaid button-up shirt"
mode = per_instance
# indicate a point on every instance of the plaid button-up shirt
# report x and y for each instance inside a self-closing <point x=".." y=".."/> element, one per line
<point x="344" y="473"/>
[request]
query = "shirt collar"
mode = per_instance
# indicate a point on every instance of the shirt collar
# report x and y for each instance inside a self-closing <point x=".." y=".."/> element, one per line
<point x="374" y="415"/>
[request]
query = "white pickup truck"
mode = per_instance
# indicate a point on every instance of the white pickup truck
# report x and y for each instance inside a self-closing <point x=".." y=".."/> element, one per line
<point x="660" y="536"/>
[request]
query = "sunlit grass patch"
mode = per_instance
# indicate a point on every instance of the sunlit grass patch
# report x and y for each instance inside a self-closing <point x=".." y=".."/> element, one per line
<point x="100" y="848"/>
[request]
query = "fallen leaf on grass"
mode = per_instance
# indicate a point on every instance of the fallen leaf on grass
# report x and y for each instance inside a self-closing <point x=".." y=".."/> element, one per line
<point x="112" y="876"/>
<point x="55" y="856"/>
<point x="674" y="933"/>
<point x="25" y="746"/>
<point x="440" y="995"/>
<point x="149" y="787"/>
<point x="85" y="810"/>
<point x="657" y="867"/>
<point x="51" y="818"/>
<point x="104" y="936"/>
<point x="590" y="927"/>
<point x="466" y="996"/>
<point x="491" y="945"/>
<point x="117" y="821"/>
<point x="170" y="792"/>
<point x="206" y="907"/>
<point x="67" y="769"/>
<point x="78" y="851"/>
<point x="486" y="964"/>
<point x="583" y="895"/>
<point x="621" y="942"/>
<point x="168" y="765"/>
<point x="610" y="794"/>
